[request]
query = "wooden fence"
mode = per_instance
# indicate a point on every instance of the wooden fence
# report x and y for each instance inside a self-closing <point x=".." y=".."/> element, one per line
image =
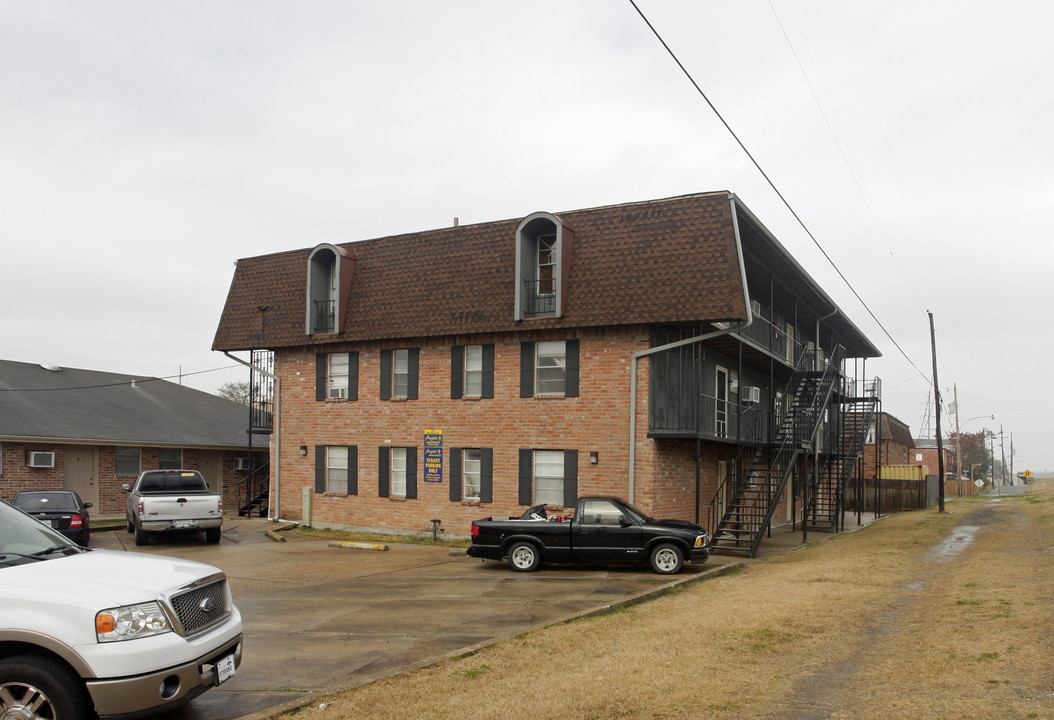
<point x="894" y="495"/>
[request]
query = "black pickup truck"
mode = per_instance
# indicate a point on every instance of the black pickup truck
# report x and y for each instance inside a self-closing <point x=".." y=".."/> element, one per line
<point x="602" y="530"/>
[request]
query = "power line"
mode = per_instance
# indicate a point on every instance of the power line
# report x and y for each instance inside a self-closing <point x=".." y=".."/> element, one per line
<point x="134" y="379"/>
<point x="772" y="185"/>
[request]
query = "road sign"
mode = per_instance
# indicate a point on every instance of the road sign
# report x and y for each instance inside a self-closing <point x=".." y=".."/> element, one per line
<point x="979" y="484"/>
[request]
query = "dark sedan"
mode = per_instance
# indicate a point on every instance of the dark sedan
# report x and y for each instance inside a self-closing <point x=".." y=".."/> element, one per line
<point x="61" y="509"/>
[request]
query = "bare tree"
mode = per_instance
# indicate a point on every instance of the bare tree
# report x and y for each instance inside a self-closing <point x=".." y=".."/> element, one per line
<point x="236" y="391"/>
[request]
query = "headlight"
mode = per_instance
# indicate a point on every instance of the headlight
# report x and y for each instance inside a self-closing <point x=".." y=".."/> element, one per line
<point x="131" y="621"/>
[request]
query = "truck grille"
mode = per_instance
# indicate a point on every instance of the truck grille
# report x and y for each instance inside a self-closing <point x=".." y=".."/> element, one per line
<point x="202" y="605"/>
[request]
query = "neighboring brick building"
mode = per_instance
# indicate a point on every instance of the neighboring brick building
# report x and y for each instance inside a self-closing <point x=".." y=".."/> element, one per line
<point x="89" y="431"/>
<point x="475" y="370"/>
<point x="889" y="442"/>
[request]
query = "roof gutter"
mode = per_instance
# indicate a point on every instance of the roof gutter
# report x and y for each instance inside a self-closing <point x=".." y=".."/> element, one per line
<point x="277" y="432"/>
<point x="669" y="346"/>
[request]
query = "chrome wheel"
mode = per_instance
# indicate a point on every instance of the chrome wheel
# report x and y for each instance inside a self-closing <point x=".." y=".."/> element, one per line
<point x="22" y="701"/>
<point x="523" y="557"/>
<point x="667" y="559"/>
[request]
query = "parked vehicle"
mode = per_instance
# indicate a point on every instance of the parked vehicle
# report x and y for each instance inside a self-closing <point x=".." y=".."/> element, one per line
<point x="161" y="500"/>
<point x="61" y="509"/>
<point x="603" y="530"/>
<point x="86" y="633"/>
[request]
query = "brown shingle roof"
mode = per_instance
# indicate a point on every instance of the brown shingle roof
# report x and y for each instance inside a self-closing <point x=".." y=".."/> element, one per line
<point x="662" y="261"/>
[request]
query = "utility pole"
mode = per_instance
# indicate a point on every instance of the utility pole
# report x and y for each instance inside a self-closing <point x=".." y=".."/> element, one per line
<point x="1002" y="454"/>
<point x="937" y="404"/>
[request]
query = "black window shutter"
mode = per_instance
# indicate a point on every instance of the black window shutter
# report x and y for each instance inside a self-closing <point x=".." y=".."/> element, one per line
<point x="353" y="376"/>
<point x="488" y="370"/>
<point x="386" y="374"/>
<point x="320" y="376"/>
<point x="455" y="474"/>
<point x="320" y="468"/>
<point x="570" y="478"/>
<point x="413" y="362"/>
<point x="353" y="469"/>
<point x="526" y="476"/>
<point x="411" y="473"/>
<point x="383" y="474"/>
<point x="457" y="364"/>
<point x="571" y="377"/>
<point x="486" y="475"/>
<point x="526" y="369"/>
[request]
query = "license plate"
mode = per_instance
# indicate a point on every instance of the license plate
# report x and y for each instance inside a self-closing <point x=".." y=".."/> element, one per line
<point x="184" y="524"/>
<point x="225" y="669"/>
<point x="49" y="523"/>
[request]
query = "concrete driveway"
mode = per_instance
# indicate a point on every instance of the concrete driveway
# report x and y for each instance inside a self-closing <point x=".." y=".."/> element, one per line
<point x="320" y="618"/>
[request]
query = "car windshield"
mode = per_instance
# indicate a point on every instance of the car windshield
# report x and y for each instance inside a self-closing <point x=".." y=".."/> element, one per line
<point x="24" y="540"/>
<point x="636" y="515"/>
<point x="45" y="502"/>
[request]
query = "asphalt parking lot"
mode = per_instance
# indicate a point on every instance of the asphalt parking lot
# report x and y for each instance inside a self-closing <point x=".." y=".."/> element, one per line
<point x="319" y="618"/>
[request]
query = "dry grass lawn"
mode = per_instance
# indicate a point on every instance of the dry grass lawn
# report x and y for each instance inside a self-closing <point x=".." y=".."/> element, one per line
<point x="869" y="624"/>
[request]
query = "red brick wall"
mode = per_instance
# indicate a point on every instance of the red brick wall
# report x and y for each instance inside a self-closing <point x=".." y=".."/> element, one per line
<point x="596" y="421"/>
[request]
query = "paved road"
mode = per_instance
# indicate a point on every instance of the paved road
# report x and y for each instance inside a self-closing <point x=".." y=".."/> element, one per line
<point x="319" y="618"/>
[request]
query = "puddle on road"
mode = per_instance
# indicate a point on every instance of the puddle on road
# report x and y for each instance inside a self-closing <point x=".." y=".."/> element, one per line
<point x="959" y="540"/>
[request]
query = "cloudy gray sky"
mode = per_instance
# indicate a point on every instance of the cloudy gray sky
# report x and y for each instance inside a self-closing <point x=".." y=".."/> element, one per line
<point x="144" y="147"/>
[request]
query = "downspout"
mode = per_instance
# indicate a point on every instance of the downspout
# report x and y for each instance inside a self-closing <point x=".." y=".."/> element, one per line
<point x="669" y="346"/>
<point x="277" y="432"/>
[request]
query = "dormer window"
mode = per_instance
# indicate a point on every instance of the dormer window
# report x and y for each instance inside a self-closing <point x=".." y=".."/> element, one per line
<point x="543" y="250"/>
<point x="329" y="271"/>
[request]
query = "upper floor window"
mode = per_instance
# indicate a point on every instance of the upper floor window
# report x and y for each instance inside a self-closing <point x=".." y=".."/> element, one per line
<point x="549" y="477"/>
<point x="472" y="371"/>
<point x="337" y="376"/>
<point x="399" y="373"/>
<point x="543" y="249"/>
<point x="329" y="271"/>
<point x="549" y="367"/>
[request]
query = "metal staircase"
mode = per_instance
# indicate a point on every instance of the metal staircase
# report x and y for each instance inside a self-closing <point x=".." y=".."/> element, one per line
<point x="256" y="489"/>
<point x="742" y="509"/>
<point x="825" y="497"/>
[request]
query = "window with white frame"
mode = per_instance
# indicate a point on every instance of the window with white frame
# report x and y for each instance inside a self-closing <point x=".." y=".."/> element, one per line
<point x="170" y="459"/>
<point x="550" y="367"/>
<point x="546" y="264"/>
<point x="127" y="461"/>
<point x="549" y="477"/>
<point x="338" y="378"/>
<point x="471" y="464"/>
<point x="400" y="373"/>
<point x="398" y="472"/>
<point x="473" y="371"/>
<point x="336" y="469"/>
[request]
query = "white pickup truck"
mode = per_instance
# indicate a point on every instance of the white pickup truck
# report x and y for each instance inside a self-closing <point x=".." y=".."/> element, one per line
<point x="86" y="633"/>
<point x="172" y="500"/>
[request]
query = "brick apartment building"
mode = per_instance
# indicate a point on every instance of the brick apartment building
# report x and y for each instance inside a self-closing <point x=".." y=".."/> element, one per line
<point x="670" y="352"/>
<point x="91" y="432"/>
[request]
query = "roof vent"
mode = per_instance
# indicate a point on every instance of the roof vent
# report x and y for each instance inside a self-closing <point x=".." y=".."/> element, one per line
<point x="51" y="368"/>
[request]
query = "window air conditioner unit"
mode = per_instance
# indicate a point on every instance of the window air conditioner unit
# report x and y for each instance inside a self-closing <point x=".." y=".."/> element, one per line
<point x="40" y="459"/>
<point x="751" y="394"/>
<point x="242" y="464"/>
<point x="338" y="393"/>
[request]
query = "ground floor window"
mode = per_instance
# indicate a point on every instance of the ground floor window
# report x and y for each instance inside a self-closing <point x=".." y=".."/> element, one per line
<point x="548" y="477"/>
<point x="170" y="459"/>
<point x="127" y="461"/>
<point x="397" y="472"/>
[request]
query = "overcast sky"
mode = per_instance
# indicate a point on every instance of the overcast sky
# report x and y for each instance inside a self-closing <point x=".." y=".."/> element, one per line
<point x="146" y="146"/>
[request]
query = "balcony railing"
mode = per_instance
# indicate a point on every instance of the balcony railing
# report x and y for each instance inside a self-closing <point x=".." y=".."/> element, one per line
<point x="764" y="333"/>
<point x="325" y="316"/>
<point x="540" y="297"/>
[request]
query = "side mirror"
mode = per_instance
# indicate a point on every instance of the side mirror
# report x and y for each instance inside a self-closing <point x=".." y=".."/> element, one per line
<point x="126" y="487"/>
<point x="624" y="521"/>
<point x="87" y="505"/>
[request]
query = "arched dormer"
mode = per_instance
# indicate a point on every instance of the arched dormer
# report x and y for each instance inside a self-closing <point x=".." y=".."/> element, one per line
<point x="329" y="272"/>
<point x="543" y="254"/>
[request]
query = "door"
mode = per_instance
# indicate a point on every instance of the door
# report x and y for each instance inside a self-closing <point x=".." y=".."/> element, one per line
<point x="210" y="464"/>
<point x="603" y="534"/>
<point x="82" y="472"/>
<point x="721" y="403"/>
